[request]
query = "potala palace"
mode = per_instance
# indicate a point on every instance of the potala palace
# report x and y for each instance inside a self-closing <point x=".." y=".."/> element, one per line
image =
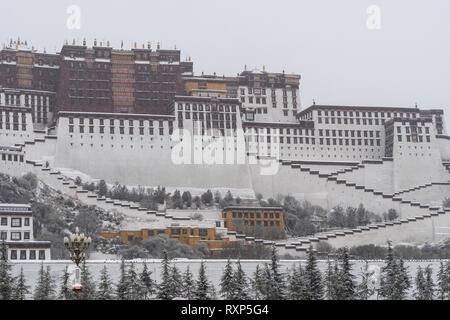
<point x="141" y="117"/>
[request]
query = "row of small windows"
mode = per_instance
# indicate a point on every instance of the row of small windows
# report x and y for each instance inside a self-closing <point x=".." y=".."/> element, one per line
<point x="23" y="255"/>
<point x="11" y="119"/>
<point x="12" y="157"/>
<point x="263" y="91"/>
<point x="14" y="236"/>
<point x="112" y="130"/>
<point x="253" y="215"/>
<point x="368" y="114"/>
<point x="207" y="116"/>
<point x="349" y="133"/>
<point x="414" y="138"/>
<point x="351" y="121"/>
<point x="322" y="141"/>
<point x="280" y="131"/>
<point x="414" y="129"/>
<point x="16" y="209"/>
<point x="213" y="108"/>
<point x="15" y="222"/>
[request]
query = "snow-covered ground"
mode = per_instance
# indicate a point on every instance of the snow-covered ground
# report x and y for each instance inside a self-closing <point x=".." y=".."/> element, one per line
<point x="242" y="193"/>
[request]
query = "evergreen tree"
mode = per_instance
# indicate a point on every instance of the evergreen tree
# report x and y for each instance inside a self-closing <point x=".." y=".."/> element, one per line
<point x="65" y="292"/>
<point x="389" y="273"/>
<point x="240" y="281"/>
<point x="212" y="292"/>
<point x="187" y="198"/>
<point x="134" y="285"/>
<point x="207" y="198"/>
<point x="21" y="289"/>
<point x="88" y="284"/>
<point x="267" y="282"/>
<point x="276" y="284"/>
<point x="44" y="289"/>
<point x="313" y="277"/>
<point x="363" y="289"/>
<point x="297" y="286"/>
<point x="177" y="203"/>
<point x="346" y="289"/>
<point x="257" y="284"/>
<point x="176" y="289"/>
<point x="105" y="287"/>
<point x="331" y="281"/>
<point x="6" y="280"/>
<point x="122" y="287"/>
<point x="165" y="287"/>
<point x="403" y="282"/>
<point x="227" y="284"/>
<point x="429" y="285"/>
<point x="420" y="285"/>
<point x="147" y="284"/>
<point x="188" y="284"/>
<point x="443" y="281"/>
<point x="102" y="188"/>
<point x="202" y="285"/>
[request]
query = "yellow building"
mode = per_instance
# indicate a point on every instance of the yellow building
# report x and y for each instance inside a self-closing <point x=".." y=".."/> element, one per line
<point x="186" y="235"/>
<point x="211" y="85"/>
<point x="241" y="218"/>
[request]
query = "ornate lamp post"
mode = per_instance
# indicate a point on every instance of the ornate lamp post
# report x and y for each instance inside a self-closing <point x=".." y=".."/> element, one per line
<point x="77" y="244"/>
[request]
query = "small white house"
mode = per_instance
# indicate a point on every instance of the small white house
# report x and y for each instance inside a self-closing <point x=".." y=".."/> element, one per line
<point x="16" y="229"/>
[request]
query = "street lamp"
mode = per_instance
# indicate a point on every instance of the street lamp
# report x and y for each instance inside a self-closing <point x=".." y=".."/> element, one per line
<point x="77" y="244"/>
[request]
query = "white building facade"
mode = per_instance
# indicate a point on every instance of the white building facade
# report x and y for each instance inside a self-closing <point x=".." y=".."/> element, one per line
<point x="16" y="230"/>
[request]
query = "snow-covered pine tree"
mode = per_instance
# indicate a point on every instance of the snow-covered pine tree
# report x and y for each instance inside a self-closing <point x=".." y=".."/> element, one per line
<point x="227" y="284"/>
<point x="89" y="287"/>
<point x="443" y="281"/>
<point x="122" y="288"/>
<point x="188" y="284"/>
<point x="303" y="289"/>
<point x="134" y="285"/>
<point x="44" y="289"/>
<point x="346" y="287"/>
<point x="257" y="284"/>
<point x="147" y="283"/>
<point x="105" y="287"/>
<point x="330" y="282"/>
<point x="420" y="285"/>
<point x="364" y="292"/>
<point x="175" y="280"/>
<point x="268" y="282"/>
<point x="212" y="292"/>
<point x="165" y="287"/>
<point x="429" y="284"/>
<point x="49" y="285"/>
<point x="297" y="286"/>
<point x="240" y="281"/>
<point x="21" y="289"/>
<point x="202" y="285"/>
<point x="65" y="292"/>
<point x="402" y="282"/>
<point x="6" y="280"/>
<point x="313" y="277"/>
<point x="389" y="273"/>
<point x="39" y="290"/>
<point x="277" y="288"/>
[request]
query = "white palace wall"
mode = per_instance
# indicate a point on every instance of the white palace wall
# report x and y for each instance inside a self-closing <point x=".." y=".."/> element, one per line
<point x="444" y="147"/>
<point x="135" y="159"/>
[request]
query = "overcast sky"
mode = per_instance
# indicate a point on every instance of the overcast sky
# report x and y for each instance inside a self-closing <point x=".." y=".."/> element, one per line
<point x="340" y="59"/>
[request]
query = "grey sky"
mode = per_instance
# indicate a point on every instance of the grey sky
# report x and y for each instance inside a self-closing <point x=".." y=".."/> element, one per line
<point x="326" y="41"/>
